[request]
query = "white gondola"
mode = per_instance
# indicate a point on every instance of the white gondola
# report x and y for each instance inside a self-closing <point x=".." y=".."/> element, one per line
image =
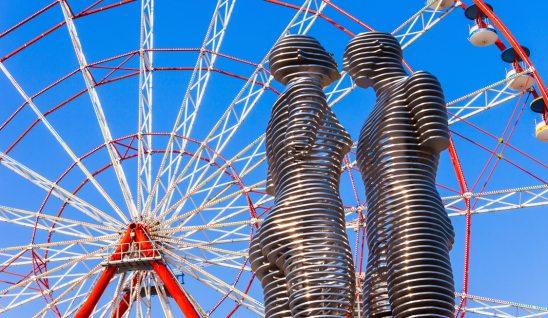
<point x="541" y="131"/>
<point x="483" y="36"/>
<point x="521" y="82"/>
<point x="439" y="4"/>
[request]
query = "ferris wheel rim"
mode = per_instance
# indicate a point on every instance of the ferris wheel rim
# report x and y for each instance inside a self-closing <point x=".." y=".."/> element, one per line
<point x="123" y="2"/>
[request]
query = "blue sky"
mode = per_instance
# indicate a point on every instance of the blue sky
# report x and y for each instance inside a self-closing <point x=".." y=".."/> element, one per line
<point x="508" y="253"/>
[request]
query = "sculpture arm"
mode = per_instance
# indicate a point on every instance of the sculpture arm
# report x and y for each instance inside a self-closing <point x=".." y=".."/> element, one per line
<point x="307" y="109"/>
<point x="427" y="105"/>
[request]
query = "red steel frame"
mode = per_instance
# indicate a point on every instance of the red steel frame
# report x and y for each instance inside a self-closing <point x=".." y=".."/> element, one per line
<point x="137" y="233"/>
<point x="89" y="305"/>
<point x="453" y="154"/>
<point x="125" y="145"/>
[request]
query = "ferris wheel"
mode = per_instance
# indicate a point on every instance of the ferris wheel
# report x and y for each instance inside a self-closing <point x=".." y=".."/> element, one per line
<point x="132" y="163"/>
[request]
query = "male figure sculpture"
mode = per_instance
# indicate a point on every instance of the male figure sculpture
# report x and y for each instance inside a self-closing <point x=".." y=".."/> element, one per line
<point x="301" y="253"/>
<point x="409" y="234"/>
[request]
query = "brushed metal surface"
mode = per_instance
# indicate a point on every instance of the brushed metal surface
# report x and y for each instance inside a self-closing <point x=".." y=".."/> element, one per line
<point x="409" y="234"/>
<point x="301" y="253"/>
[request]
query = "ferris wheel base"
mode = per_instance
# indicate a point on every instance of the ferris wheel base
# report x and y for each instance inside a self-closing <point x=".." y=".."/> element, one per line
<point x="136" y="236"/>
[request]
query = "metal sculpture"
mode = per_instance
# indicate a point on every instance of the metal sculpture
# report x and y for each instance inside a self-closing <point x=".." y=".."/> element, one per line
<point x="409" y="234"/>
<point x="301" y="253"/>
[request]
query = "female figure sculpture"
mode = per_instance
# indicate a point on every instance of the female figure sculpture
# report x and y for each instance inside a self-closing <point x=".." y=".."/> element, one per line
<point x="409" y="234"/>
<point x="301" y="253"/>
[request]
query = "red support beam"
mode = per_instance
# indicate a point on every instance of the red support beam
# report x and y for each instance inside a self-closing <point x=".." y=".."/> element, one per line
<point x="468" y="230"/>
<point x="165" y="275"/>
<point x="89" y="305"/>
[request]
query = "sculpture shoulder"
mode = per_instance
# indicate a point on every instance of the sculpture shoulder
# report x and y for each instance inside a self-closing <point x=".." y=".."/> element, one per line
<point x="423" y="80"/>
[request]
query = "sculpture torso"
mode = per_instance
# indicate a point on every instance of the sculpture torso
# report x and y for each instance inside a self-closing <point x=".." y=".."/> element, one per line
<point x="303" y="240"/>
<point x="399" y="173"/>
<point x="330" y="145"/>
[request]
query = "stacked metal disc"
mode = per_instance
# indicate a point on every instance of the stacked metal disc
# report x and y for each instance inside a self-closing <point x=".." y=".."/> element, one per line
<point x="302" y="56"/>
<point x="408" y="231"/>
<point x="304" y="236"/>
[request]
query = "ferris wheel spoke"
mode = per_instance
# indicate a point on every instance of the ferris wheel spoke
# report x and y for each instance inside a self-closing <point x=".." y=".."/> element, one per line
<point x="235" y="114"/>
<point x="225" y="167"/>
<point x="69" y="287"/>
<point x="120" y="295"/>
<point x="60" y="140"/>
<point x="210" y="203"/>
<point x="185" y="245"/>
<point x="218" y="195"/>
<point x="224" y="215"/>
<point x="195" y="90"/>
<point x="144" y="136"/>
<point x="29" y="222"/>
<point x="163" y="298"/>
<point x="422" y="21"/>
<point x="9" y="214"/>
<point x="50" y="271"/>
<point x="58" y="191"/>
<point x="217" y="259"/>
<point x="483" y="99"/>
<point x="250" y="163"/>
<point x="499" y="200"/>
<point x="485" y="306"/>
<point x="91" y="240"/>
<point x="98" y="108"/>
<point x="217" y="284"/>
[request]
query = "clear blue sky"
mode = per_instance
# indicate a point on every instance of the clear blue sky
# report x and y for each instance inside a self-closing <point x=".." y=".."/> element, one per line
<point x="509" y="250"/>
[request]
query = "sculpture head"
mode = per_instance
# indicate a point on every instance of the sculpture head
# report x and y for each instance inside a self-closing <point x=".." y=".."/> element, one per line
<point x="369" y="54"/>
<point x="302" y="56"/>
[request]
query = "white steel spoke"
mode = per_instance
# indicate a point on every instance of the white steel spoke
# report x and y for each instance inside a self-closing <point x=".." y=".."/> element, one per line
<point x="185" y="245"/>
<point x="248" y="96"/>
<point x="496" y="201"/>
<point x="9" y="213"/>
<point x="218" y="173"/>
<point x="58" y="191"/>
<point x="98" y="108"/>
<point x="489" y="307"/>
<point x="195" y="90"/>
<point x="116" y="298"/>
<point x="69" y="287"/>
<point x="422" y="21"/>
<point x="144" y="136"/>
<point x="211" y="203"/>
<point x="483" y="99"/>
<point x="49" y="245"/>
<point x="218" y="284"/>
<point x="162" y="296"/>
<point x="61" y="142"/>
<point x="50" y="271"/>
<point x="499" y="200"/>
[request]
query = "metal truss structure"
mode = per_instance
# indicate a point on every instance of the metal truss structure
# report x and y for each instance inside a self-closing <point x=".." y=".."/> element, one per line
<point x="197" y="200"/>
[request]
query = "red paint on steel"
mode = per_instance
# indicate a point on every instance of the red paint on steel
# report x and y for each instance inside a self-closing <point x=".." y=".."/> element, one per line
<point x="321" y="15"/>
<point x="167" y="277"/>
<point x="519" y="50"/>
<point x="348" y="15"/>
<point x="55" y="27"/>
<point x="463" y="189"/>
<point x="110" y="6"/>
<point x="89" y="305"/>
<point x="496" y="138"/>
<point x="24" y="21"/>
